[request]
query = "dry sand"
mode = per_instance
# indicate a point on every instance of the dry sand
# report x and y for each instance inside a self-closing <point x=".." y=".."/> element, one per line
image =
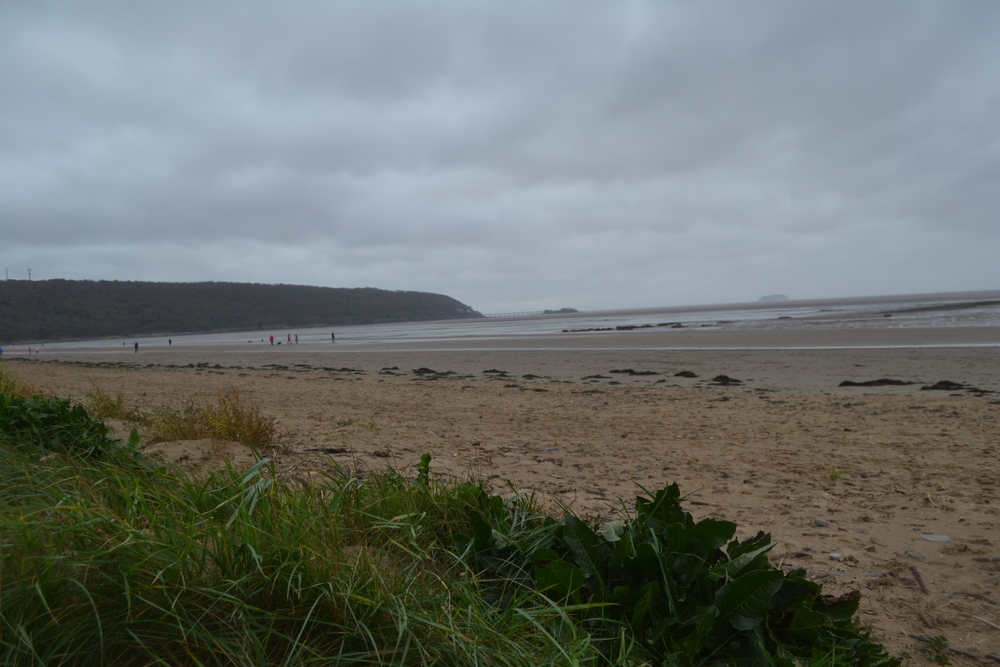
<point x="857" y="484"/>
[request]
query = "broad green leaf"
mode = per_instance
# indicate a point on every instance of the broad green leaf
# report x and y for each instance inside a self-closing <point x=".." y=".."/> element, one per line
<point x="590" y="551"/>
<point x="687" y="567"/>
<point x="735" y="549"/>
<point x="622" y="595"/>
<point x="806" y="619"/>
<point x="543" y="556"/>
<point x="733" y="567"/>
<point x="743" y="601"/>
<point x="710" y="534"/>
<point x="664" y="505"/>
<point x="805" y="626"/>
<point x="482" y="533"/>
<point x="646" y="560"/>
<point x="647" y="596"/>
<point x="841" y="608"/>
<point x="624" y="550"/>
<point x="493" y="509"/>
<point x="559" y="579"/>
<point x="612" y="530"/>
<point x="703" y="622"/>
<point x="749" y="653"/>
<point x="794" y="591"/>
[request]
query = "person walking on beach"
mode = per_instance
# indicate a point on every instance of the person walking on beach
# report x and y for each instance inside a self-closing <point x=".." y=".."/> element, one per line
<point x="137" y="347"/>
<point x="296" y="339"/>
<point x="170" y="342"/>
<point x="333" y="339"/>
<point x="272" y="339"/>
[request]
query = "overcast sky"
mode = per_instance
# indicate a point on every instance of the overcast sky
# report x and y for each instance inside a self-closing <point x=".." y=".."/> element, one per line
<point x="513" y="155"/>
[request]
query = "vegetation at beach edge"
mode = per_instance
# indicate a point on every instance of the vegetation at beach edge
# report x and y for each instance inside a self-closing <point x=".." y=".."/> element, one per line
<point x="42" y="310"/>
<point x="231" y="417"/>
<point x="12" y="385"/>
<point x="109" y="559"/>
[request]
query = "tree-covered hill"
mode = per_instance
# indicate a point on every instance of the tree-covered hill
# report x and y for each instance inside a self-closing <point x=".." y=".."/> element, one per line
<point x="68" y="309"/>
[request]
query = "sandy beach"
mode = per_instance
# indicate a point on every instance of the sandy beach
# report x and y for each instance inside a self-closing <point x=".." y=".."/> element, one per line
<point x="891" y="490"/>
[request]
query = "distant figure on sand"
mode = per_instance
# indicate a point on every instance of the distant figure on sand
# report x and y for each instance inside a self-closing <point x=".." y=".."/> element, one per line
<point x="170" y="342"/>
<point x="272" y="340"/>
<point x="296" y="339"/>
<point x="1" y="351"/>
<point x="333" y="339"/>
<point x="137" y="347"/>
<point x="289" y="338"/>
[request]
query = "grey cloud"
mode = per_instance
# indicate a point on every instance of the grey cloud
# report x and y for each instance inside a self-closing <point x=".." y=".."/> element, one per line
<point x="505" y="153"/>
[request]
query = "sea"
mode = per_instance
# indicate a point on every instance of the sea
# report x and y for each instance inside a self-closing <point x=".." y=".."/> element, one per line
<point x="953" y="309"/>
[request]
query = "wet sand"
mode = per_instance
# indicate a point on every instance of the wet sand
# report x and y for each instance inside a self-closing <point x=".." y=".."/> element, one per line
<point x="852" y="482"/>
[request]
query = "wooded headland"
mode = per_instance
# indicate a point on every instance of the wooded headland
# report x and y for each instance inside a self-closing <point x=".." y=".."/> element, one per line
<point x="46" y="310"/>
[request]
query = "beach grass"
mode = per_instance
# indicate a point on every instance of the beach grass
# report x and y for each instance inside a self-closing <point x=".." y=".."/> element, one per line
<point x="108" y="559"/>
<point x="116" y="562"/>
<point x="231" y="417"/>
<point x="12" y="385"/>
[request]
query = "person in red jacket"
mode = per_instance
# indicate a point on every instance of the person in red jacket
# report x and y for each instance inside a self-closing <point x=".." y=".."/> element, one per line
<point x="272" y="339"/>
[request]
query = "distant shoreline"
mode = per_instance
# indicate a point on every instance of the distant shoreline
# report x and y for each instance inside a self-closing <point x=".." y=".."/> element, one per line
<point x="915" y="320"/>
<point x="983" y="295"/>
<point x="61" y="310"/>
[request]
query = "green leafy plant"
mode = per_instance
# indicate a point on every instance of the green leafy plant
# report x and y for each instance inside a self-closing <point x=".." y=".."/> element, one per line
<point x="423" y="470"/>
<point x="937" y="650"/>
<point x="686" y="592"/>
<point x="53" y="425"/>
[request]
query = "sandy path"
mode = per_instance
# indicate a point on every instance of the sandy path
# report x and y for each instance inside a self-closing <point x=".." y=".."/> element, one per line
<point x="881" y="467"/>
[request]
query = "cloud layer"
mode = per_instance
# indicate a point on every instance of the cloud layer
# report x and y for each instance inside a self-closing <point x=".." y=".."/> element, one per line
<point x="514" y="155"/>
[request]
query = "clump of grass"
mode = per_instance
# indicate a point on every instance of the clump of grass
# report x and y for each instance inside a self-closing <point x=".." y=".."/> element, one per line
<point x="12" y="385"/>
<point x="231" y="417"/>
<point x="103" y="406"/>
<point x="371" y="425"/>
<point x="936" y="649"/>
<point x="348" y="428"/>
<point x="832" y="473"/>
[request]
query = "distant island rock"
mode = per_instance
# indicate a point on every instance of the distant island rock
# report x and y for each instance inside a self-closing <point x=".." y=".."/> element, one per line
<point x="560" y="311"/>
<point x="774" y="297"/>
<point x="46" y="310"/>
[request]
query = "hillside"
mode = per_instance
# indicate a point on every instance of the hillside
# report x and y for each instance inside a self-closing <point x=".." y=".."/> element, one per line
<point x="68" y="309"/>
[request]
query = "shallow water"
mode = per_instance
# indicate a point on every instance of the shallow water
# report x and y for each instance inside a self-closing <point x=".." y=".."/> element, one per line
<point x="960" y="309"/>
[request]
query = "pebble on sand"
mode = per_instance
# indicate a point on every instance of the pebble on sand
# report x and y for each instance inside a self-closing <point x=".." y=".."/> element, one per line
<point x="936" y="538"/>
